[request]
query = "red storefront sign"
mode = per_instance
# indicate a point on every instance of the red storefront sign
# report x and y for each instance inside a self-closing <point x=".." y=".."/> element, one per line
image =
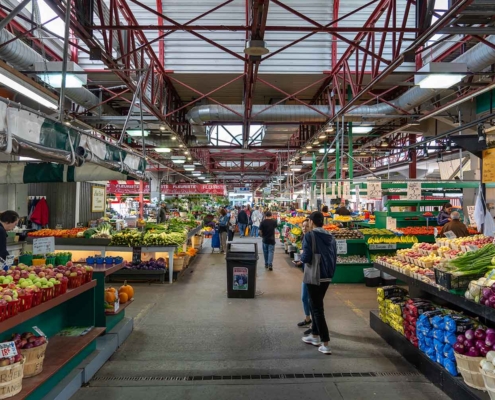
<point x="170" y="189"/>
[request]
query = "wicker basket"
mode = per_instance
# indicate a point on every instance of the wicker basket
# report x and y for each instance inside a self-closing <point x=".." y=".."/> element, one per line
<point x="469" y="367"/>
<point x="489" y="379"/>
<point x="34" y="360"/>
<point x="11" y="379"/>
<point x="178" y="263"/>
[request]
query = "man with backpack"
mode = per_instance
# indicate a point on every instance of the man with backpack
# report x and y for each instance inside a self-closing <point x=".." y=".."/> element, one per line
<point x="242" y="221"/>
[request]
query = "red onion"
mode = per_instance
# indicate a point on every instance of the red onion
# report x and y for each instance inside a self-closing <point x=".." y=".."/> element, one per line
<point x="473" y="352"/>
<point x="462" y="338"/>
<point x="468" y="343"/>
<point x="459" y="348"/>
<point x="469" y="334"/>
<point x="480" y="333"/>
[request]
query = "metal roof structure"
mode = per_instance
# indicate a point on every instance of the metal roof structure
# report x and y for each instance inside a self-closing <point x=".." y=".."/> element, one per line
<point x="326" y="61"/>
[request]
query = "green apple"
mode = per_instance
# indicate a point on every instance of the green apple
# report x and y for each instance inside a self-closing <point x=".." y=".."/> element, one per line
<point x="49" y="284"/>
<point x="38" y="284"/>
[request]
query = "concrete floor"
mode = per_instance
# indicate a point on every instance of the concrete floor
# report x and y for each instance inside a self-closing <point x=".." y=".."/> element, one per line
<point x="191" y="329"/>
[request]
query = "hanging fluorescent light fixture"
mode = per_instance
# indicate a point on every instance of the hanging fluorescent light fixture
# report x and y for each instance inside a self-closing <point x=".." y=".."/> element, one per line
<point x="307" y="160"/>
<point x="196" y="173"/>
<point x="178" y="159"/>
<point x="322" y="136"/>
<point x="372" y="167"/>
<point x="296" y="168"/>
<point x="322" y="151"/>
<point x="14" y="83"/>
<point x="163" y="150"/>
<point x="256" y="48"/>
<point x="51" y="73"/>
<point x="440" y="75"/>
<point x="189" y="167"/>
<point x="137" y="132"/>
<point x="362" y="129"/>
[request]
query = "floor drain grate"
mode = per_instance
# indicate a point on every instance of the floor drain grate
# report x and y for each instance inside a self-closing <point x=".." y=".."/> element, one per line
<point x="253" y="377"/>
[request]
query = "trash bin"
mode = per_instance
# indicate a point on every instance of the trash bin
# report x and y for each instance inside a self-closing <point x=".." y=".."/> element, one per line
<point x="241" y="269"/>
<point x="372" y="277"/>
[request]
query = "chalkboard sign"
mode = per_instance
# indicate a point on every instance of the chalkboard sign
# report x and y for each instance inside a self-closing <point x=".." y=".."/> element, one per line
<point x="136" y="255"/>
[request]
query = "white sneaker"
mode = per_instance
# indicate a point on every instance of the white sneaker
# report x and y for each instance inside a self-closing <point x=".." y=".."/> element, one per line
<point x="325" y="349"/>
<point x="315" y="341"/>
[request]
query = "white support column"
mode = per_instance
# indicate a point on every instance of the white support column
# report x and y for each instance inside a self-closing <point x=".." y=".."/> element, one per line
<point x="78" y="203"/>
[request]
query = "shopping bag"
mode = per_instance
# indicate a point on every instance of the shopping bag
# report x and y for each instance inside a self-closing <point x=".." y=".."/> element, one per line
<point x="246" y="232"/>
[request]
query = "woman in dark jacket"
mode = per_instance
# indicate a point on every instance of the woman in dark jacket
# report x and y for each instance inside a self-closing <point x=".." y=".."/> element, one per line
<point x="8" y="221"/>
<point x="444" y="215"/>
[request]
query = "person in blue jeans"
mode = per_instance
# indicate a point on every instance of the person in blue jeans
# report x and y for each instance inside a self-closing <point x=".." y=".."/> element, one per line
<point x="267" y="233"/>
<point x="242" y="221"/>
<point x="304" y="292"/>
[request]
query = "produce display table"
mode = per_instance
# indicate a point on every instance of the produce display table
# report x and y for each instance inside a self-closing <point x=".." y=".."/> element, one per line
<point x="453" y="386"/>
<point x="424" y="290"/>
<point x="76" y="307"/>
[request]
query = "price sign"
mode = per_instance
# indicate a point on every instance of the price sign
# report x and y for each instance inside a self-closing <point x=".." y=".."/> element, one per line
<point x="374" y="190"/>
<point x="413" y="190"/>
<point x="450" y="235"/>
<point x="116" y="306"/>
<point x="435" y="232"/>
<point x="472" y="247"/>
<point x="44" y="245"/>
<point x="383" y="246"/>
<point x="341" y="246"/>
<point x="38" y="331"/>
<point x="7" y="349"/>
<point x="136" y="255"/>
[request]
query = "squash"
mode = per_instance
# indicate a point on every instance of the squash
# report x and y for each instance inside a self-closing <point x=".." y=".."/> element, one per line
<point x="112" y="289"/>
<point x="123" y="298"/>
<point x="110" y="296"/>
<point x="127" y="289"/>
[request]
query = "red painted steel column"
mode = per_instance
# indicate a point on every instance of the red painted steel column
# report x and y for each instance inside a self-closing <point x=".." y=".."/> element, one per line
<point x="161" y="43"/>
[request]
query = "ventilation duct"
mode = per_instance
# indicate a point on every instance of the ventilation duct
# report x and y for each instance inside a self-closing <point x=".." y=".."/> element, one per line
<point x="477" y="59"/>
<point x="22" y="57"/>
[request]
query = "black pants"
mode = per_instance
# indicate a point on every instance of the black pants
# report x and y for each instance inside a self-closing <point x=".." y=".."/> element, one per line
<point x="316" y="296"/>
<point x="231" y="235"/>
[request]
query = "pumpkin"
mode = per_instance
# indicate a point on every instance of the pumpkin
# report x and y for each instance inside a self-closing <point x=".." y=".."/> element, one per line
<point x="127" y="289"/>
<point x="112" y="289"/>
<point x="110" y="296"/>
<point x="123" y="298"/>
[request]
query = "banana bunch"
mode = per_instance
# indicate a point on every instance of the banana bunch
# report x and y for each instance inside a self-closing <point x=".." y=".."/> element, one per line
<point x="392" y="239"/>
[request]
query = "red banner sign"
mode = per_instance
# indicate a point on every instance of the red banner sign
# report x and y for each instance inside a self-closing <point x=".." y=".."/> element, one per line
<point x="167" y="189"/>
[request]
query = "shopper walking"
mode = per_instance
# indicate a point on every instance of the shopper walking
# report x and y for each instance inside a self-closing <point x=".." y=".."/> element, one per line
<point x="223" y="225"/>
<point x="304" y="291"/>
<point x="320" y="243"/>
<point x="342" y="210"/>
<point x="8" y="221"/>
<point x="455" y="226"/>
<point x="267" y="232"/>
<point x="444" y="215"/>
<point x="242" y="221"/>
<point x="256" y="218"/>
<point x="162" y="214"/>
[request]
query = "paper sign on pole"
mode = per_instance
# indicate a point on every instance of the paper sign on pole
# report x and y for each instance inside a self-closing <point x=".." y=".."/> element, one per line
<point x="391" y="223"/>
<point x="470" y="211"/>
<point x="374" y="190"/>
<point x="332" y="195"/>
<point x="44" y="245"/>
<point x="346" y="190"/>
<point x="413" y="190"/>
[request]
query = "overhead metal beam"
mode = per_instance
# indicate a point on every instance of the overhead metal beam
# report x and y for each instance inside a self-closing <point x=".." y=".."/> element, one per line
<point x="13" y="13"/>
<point x="467" y="30"/>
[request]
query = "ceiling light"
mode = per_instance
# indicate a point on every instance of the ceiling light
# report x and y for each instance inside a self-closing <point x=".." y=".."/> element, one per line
<point x="307" y="161"/>
<point x="207" y="181"/>
<point x="186" y="152"/>
<point x="322" y="136"/>
<point x="296" y="167"/>
<point x="329" y="129"/>
<point x="181" y="145"/>
<point x="178" y="159"/>
<point x="196" y="173"/>
<point x="362" y="129"/>
<point x="188" y="167"/>
<point x="384" y="143"/>
<point x="189" y="158"/>
<point x="162" y="128"/>
<point x="363" y="153"/>
<point x="137" y="132"/>
<point x="372" y="168"/>
<point x="442" y="75"/>
<point x="345" y="167"/>
<point x="51" y="73"/>
<point x="20" y="86"/>
<point x="316" y="142"/>
<point x="256" y="48"/>
<point x="372" y="148"/>
<point x="163" y="150"/>
<point x="55" y="80"/>
<point x="309" y="146"/>
<point x="196" y="162"/>
<point x="201" y="177"/>
<point x="173" y="137"/>
<point x="303" y="152"/>
<point x="328" y="151"/>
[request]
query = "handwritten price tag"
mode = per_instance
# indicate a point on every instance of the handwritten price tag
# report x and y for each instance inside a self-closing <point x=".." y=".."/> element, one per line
<point x="341" y="246"/>
<point x="7" y="349"/>
<point x="39" y="331"/>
